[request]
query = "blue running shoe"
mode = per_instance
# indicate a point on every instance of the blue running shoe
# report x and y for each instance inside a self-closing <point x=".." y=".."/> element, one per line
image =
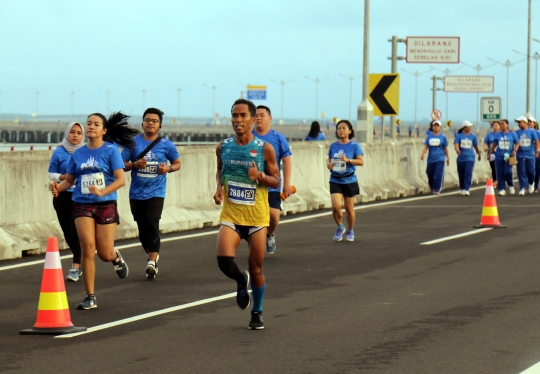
<point x="74" y="274"/>
<point x="270" y="244"/>
<point x="89" y="302"/>
<point x="339" y="234"/>
<point x="349" y="236"/>
<point x="242" y="294"/>
<point x="121" y="267"/>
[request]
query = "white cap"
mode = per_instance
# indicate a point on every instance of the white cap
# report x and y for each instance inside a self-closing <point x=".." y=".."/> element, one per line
<point x="437" y="122"/>
<point x="467" y="124"/>
<point x="532" y="119"/>
<point x="522" y="118"/>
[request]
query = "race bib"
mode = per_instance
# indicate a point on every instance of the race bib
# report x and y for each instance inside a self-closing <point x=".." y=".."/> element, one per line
<point x="150" y="171"/>
<point x="504" y="144"/>
<point x="95" y="179"/>
<point x="241" y="193"/>
<point x="525" y="142"/>
<point x="339" y="164"/>
<point x="434" y="142"/>
<point x="466" y="143"/>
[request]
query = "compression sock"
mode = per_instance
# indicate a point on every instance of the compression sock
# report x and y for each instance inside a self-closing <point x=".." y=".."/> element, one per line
<point x="229" y="268"/>
<point x="258" y="297"/>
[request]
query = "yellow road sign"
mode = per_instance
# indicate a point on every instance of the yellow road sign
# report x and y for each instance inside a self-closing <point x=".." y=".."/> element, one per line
<point x="384" y="94"/>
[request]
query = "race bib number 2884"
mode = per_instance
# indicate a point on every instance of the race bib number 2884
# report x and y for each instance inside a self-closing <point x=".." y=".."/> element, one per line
<point x="241" y="193"/>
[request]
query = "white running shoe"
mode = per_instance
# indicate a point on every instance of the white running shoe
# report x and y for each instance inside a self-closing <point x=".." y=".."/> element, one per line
<point x="502" y="193"/>
<point x="462" y="192"/>
<point x="531" y="188"/>
<point x="522" y="192"/>
<point x="512" y="190"/>
<point x="466" y="193"/>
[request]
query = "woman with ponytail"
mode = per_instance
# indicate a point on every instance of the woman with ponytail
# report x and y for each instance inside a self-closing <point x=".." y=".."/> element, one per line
<point x="63" y="205"/>
<point x="99" y="170"/>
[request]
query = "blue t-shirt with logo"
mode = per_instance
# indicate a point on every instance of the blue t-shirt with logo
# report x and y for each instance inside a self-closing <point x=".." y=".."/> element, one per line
<point x="436" y="145"/>
<point x="320" y="136"/>
<point x="94" y="167"/>
<point x="344" y="172"/>
<point x="147" y="183"/>
<point x="527" y="143"/>
<point x="506" y="142"/>
<point x="488" y="140"/>
<point x="466" y="142"/>
<point x="281" y="147"/>
<point x="59" y="163"/>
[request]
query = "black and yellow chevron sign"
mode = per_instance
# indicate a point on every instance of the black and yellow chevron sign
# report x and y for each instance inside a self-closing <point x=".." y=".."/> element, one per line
<point x="384" y="94"/>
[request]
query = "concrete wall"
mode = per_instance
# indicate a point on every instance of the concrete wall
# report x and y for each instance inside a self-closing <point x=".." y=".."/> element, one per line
<point x="27" y="217"/>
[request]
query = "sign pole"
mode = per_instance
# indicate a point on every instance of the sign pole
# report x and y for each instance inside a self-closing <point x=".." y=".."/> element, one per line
<point x="364" y="123"/>
<point x="528" y="114"/>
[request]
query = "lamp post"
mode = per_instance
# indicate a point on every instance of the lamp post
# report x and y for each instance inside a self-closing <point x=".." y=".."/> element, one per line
<point x="507" y="64"/>
<point x="143" y="91"/>
<point x="282" y="83"/>
<point x="446" y="72"/>
<point x="536" y="57"/>
<point x="478" y="68"/>
<point x="73" y="93"/>
<point x="107" y="93"/>
<point x="317" y="81"/>
<point x="179" y="91"/>
<point x="350" y="79"/>
<point x="416" y="75"/>
<point x="213" y="88"/>
<point x="37" y="100"/>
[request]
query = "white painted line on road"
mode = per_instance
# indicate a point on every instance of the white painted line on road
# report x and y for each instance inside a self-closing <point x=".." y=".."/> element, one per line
<point x="456" y="236"/>
<point x="535" y="369"/>
<point x="148" y="315"/>
<point x="393" y="202"/>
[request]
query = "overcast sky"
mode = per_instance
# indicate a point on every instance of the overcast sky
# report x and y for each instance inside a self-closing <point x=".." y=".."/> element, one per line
<point x="59" y="46"/>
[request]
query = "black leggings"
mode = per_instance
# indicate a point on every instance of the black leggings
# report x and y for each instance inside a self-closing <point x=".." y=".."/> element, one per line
<point x="147" y="214"/>
<point x="493" y="171"/>
<point x="63" y="205"/>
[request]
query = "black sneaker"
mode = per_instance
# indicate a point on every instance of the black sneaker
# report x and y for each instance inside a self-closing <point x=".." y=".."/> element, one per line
<point x="256" y="322"/>
<point x="121" y="267"/>
<point x="242" y="294"/>
<point x="89" y="302"/>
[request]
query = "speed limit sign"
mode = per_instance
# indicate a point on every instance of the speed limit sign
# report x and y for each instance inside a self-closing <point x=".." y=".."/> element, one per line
<point x="491" y="108"/>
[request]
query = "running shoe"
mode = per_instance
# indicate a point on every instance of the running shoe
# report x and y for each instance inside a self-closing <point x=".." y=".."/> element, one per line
<point x="89" y="302"/>
<point x="121" y="267"/>
<point x="256" y="322"/>
<point x="462" y="192"/>
<point x="339" y="234"/>
<point x="512" y="190"/>
<point x="536" y="190"/>
<point x="522" y="192"/>
<point x="436" y="192"/>
<point x="466" y="193"/>
<point x="502" y="192"/>
<point x="151" y="270"/>
<point x="74" y="274"/>
<point x="349" y="236"/>
<point x="270" y="244"/>
<point x="242" y="294"/>
<point x="531" y="188"/>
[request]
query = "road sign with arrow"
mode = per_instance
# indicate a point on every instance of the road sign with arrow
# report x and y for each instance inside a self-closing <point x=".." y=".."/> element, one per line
<point x="384" y="94"/>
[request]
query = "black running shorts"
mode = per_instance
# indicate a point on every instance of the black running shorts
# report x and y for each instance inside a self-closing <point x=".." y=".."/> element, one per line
<point x="347" y="190"/>
<point x="274" y="200"/>
<point x="243" y="231"/>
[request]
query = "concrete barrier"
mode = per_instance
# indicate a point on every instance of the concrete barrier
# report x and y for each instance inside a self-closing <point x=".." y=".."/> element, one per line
<point x="27" y="217"/>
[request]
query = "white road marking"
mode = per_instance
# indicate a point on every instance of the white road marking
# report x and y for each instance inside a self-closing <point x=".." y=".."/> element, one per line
<point x="360" y="207"/>
<point x="148" y="315"/>
<point x="535" y="369"/>
<point x="456" y="236"/>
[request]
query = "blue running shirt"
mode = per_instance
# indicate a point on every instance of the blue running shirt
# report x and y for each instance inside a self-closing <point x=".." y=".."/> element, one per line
<point x="147" y="183"/>
<point x="466" y="142"/>
<point x="436" y="144"/>
<point x="505" y="143"/>
<point x="94" y="167"/>
<point x="59" y="163"/>
<point x="281" y="147"/>
<point x="344" y="172"/>
<point x="527" y="143"/>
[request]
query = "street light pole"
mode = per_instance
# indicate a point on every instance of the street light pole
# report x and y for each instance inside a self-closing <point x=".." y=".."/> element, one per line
<point x="507" y="64"/>
<point x="351" y="79"/>
<point x="416" y="75"/>
<point x="394" y="58"/>
<point x="107" y="92"/>
<point x="282" y="83"/>
<point x="536" y="57"/>
<point x="73" y="99"/>
<point x="317" y="81"/>
<point x="528" y="114"/>
<point x="213" y="88"/>
<point x="179" y="91"/>
<point x="144" y="91"/>
<point x="37" y="100"/>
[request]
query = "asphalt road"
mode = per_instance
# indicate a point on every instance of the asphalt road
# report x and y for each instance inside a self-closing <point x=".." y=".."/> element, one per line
<point x="383" y="304"/>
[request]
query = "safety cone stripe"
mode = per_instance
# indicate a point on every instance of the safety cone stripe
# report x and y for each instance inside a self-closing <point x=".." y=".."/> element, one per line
<point x="490" y="211"/>
<point x="52" y="260"/>
<point x="53" y="319"/>
<point x="490" y="190"/>
<point x="53" y="301"/>
<point x="53" y="281"/>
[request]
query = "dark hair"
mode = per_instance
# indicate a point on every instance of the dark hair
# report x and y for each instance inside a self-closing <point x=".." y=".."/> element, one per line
<point x="505" y="121"/>
<point x="249" y="103"/>
<point x="265" y="108"/>
<point x="460" y="130"/>
<point x="315" y="129"/>
<point x="351" y="135"/>
<point x="494" y="122"/>
<point x="154" y="111"/>
<point x="118" y="130"/>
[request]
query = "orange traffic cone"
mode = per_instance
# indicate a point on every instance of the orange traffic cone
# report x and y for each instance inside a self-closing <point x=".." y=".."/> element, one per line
<point x="53" y="310"/>
<point x="490" y="214"/>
